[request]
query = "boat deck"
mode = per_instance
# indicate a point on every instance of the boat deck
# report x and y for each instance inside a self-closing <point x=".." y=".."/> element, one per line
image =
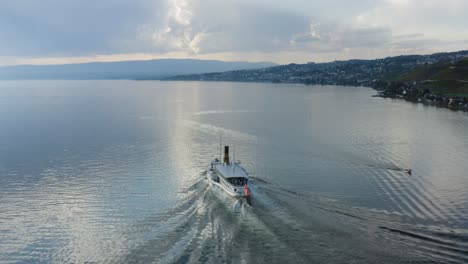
<point x="231" y="170"/>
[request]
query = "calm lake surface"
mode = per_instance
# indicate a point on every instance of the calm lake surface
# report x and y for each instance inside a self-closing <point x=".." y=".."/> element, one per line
<point x="114" y="172"/>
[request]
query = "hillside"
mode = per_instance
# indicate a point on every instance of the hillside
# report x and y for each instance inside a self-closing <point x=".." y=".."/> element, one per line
<point x="450" y="78"/>
<point x="150" y="69"/>
<point x="373" y="73"/>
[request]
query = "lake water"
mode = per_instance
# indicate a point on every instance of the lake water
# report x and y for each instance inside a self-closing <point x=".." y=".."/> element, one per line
<point x="114" y="172"/>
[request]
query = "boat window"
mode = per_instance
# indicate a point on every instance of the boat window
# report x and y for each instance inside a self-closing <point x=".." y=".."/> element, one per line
<point x="237" y="181"/>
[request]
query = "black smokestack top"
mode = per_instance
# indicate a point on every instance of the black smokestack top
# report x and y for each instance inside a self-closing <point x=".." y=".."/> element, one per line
<point x="226" y="154"/>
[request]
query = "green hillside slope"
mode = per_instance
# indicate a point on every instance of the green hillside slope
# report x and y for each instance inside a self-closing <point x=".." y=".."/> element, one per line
<point x="442" y="78"/>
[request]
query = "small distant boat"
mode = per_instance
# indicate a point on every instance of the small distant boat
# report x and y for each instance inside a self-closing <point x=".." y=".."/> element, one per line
<point x="229" y="176"/>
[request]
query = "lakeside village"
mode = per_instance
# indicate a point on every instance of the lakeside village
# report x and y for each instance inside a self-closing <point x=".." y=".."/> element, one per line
<point x="413" y="92"/>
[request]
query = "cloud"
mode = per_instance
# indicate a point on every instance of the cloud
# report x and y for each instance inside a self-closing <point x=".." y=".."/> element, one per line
<point x="67" y="27"/>
<point x="415" y="43"/>
<point x="408" y="36"/>
<point x="215" y="26"/>
<point x="176" y="30"/>
<point x="433" y="18"/>
<point x="32" y="29"/>
<point x="246" y="27"/>
<point x="327" y="38"/>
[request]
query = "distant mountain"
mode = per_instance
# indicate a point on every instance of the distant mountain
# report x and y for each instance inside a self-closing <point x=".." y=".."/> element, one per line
<point x="150" y="69"/>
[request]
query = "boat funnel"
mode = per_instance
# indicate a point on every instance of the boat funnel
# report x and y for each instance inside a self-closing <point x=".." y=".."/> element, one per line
<point x="226" y="155"/>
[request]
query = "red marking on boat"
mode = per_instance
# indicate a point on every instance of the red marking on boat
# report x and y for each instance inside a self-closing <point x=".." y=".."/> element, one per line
<point x="246" y="190"/>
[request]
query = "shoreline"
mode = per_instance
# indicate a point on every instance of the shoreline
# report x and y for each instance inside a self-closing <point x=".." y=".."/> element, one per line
<point x="416" y="94"/>
<point x="402" y="91"/>
<point x="426" y="103"/>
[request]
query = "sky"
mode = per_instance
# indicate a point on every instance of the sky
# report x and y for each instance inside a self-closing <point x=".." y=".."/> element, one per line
<point x="281" y="31"/>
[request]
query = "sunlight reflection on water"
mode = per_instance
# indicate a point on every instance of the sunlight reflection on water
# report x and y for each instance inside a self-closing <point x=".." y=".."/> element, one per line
<point x="113" y="171"/>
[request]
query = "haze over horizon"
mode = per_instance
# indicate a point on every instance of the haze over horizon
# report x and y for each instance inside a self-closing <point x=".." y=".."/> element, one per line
<point x="61" y="32"/>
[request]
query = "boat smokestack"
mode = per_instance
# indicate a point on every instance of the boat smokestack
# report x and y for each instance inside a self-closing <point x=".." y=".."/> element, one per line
<point x="226" y="155"/>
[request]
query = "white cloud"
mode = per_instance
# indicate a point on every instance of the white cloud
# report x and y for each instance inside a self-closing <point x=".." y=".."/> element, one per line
<point x="176" y="32"/>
